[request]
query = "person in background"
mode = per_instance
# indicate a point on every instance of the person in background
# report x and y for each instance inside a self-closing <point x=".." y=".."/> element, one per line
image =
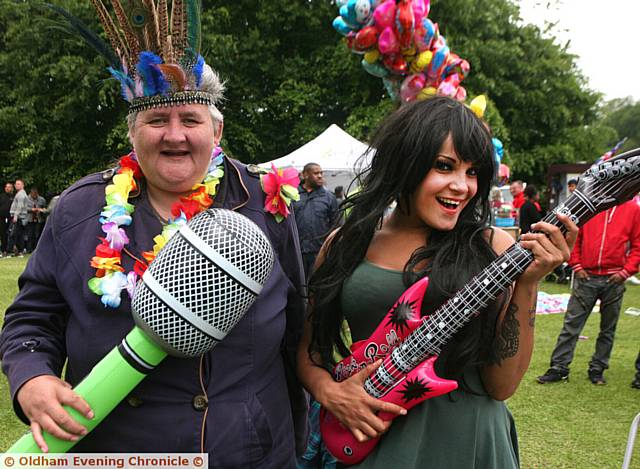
<point x="435" y="158"/>
<point x="35" y="205"/>
<point x="517" y="191"/>
<point x="530" y="211"/>
<point x="571" y="185"/>
<point x="635" y="384"/>
<point x="315" y="212"/>
<point x="6" y="198"/>
<point x="338" y="192"/>
<point x="496" y="198"/>
<point x="19" y="219"/>
<point x="606" y="253"/>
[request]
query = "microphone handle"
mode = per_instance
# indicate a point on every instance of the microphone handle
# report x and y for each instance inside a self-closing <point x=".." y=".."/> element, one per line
<point x="108" y="383"/>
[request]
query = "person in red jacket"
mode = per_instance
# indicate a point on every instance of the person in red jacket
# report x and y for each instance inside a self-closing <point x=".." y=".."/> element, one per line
<point x="517" y="191"/>
<point x="606" y="253"/>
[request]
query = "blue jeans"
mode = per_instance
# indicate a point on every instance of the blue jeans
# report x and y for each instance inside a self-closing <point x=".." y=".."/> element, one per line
<point x="583" y="298"/>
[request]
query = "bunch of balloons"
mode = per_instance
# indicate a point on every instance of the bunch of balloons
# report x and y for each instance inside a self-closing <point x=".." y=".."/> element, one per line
<point x="403" y="47"/>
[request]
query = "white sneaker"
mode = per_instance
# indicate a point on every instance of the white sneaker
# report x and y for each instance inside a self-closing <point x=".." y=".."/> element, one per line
<point x="633" y="280"/>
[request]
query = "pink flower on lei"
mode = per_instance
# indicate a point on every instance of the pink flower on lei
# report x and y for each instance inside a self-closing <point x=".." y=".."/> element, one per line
<point x="281" y="187"/>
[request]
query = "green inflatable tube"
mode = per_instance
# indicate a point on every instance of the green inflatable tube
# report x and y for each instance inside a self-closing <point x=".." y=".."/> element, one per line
<point x="108" y="383"/>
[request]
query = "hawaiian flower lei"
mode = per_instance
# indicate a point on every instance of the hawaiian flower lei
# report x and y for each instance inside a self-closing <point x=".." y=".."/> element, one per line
<point x="110" y="278"/>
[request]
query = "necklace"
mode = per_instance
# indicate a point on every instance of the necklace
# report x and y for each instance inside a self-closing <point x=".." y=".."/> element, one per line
<point x="110" y="279"/>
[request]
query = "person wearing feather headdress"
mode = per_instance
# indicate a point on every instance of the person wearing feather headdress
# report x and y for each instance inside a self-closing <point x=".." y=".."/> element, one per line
<point x="240" y="403"/>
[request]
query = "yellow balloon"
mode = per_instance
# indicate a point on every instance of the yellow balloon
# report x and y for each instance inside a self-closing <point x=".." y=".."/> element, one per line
<point x="409" y="51"/>
<point x="426" y="93"/>
<point x="372" y="56"/>
<point x="478" y="105"/>
<point x="424" y="58"/>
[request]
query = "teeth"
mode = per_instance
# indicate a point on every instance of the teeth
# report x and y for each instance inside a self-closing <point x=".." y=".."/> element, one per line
<point x="449" y="201"/>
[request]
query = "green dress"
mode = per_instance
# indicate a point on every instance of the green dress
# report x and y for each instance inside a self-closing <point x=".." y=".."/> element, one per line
<point x="463" y="429"/>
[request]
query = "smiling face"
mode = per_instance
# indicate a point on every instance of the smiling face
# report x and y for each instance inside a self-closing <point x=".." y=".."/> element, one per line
<point x="174" y="146"/>
<point x="445" y="191"/>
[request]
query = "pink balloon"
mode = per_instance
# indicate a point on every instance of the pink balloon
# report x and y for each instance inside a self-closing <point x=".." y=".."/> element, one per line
<point x="461" y="94"/>
<point x="411" y="86"/>
<point x="503" y="171"/>
<point x="388" y="42"/>
<point x="421" y="9"/>
<point x="385" y="14"/>
<point x="449" y="86"/>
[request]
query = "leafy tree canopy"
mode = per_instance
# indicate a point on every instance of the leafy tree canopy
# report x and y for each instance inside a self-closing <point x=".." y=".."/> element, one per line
<point x="289" y="75"/>
<point x="624" y="116"/>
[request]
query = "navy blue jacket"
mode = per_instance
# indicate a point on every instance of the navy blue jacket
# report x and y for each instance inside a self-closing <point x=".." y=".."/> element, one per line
<point x="316" y="212"/>
<point x="244" y="411"/>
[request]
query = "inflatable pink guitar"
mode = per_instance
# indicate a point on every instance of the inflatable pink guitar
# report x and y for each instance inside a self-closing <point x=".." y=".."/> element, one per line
<point x="409" y="344"/>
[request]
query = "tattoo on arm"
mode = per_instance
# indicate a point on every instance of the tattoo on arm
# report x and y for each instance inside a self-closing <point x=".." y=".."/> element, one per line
<point x="532" y="316"/>
<point x="508" y="341"/>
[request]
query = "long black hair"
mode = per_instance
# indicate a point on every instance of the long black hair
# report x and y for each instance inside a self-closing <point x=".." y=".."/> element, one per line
<point x="405" y="146"/>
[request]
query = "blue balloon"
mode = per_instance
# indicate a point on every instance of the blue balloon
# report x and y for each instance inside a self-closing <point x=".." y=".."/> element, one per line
<point x="498" y="148"/>
<point x="340" y="26"/>
<point x="376" y="69"/>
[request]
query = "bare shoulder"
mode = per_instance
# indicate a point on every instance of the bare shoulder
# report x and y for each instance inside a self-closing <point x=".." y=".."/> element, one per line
<point x="500" y="239"/>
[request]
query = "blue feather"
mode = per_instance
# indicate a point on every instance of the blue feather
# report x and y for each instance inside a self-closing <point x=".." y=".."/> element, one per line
<point x="152" y="77"/>
<point x="197" y="71"/>
<point x="126" y="83"/>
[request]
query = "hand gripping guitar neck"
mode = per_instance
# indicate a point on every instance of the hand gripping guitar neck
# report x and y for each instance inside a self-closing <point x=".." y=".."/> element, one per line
<point x="201" y="284"/>
<point x="409" y="343"/>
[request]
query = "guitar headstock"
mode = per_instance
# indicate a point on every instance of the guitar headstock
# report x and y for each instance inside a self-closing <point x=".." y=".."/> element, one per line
<point x="611" y="182"/>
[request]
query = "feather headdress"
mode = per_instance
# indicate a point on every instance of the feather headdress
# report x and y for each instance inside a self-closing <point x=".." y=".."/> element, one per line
<point x="154" y="51"/>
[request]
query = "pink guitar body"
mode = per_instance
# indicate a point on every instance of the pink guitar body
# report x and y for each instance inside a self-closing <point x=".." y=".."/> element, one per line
<point x="419" y="384"/>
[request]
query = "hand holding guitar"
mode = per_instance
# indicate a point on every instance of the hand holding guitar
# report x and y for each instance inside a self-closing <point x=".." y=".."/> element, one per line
<point x="350" y="404"/>
<point x="549" y="246"/>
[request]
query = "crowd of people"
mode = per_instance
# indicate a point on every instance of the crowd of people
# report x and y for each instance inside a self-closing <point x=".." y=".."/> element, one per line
<point x="22" y="218"/>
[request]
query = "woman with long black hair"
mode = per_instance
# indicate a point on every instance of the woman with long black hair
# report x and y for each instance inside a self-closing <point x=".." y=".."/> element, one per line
<point x="435" y="160"/>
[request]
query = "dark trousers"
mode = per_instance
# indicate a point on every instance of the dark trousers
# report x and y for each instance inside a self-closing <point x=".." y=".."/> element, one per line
<point x="4" y="233"/>
<point x="638" y="367"/>
<point x="34" y="229"/>
<point x="16" y="237"/>
<point x="584" y="295"/>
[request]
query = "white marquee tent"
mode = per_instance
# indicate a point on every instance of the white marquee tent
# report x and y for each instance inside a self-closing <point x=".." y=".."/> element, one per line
<point x="334" y="150"/>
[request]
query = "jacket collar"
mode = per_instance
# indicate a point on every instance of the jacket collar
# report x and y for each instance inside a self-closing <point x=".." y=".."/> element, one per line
<point x="234" y="193"/>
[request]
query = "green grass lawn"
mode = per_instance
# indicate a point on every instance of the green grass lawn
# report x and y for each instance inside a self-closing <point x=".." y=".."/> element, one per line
<point x="568" y="425"/>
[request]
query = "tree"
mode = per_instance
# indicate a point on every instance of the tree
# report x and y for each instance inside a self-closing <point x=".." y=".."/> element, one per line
<point x="56" y="109"/>
<point x="624" y="116"/>
<point x="541" y="96"/>
<point x="289" y="75"/>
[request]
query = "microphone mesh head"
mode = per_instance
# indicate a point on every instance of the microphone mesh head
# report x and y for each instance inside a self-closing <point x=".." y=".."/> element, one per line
<point x="202" y="282"/>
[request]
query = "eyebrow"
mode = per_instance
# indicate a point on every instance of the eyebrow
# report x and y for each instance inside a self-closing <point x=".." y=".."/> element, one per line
<point x="164" y="113"/>
<point x="449" y="157"/>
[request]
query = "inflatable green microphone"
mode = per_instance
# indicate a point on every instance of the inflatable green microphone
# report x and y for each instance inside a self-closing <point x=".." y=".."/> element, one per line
<point x="201" y="284"/>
